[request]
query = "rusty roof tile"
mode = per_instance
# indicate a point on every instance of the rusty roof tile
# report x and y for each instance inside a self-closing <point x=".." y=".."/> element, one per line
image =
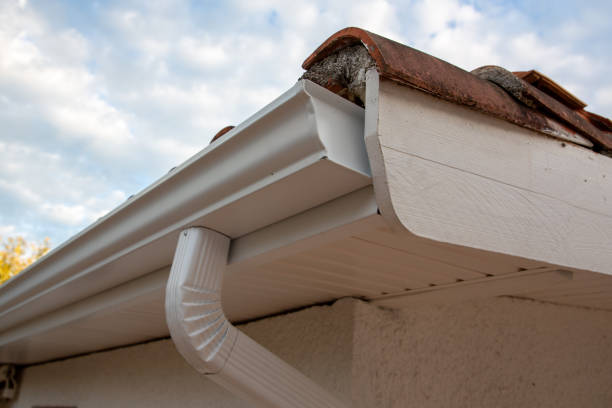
<point x="222" y="132"/>
<point x="550" y="87"/>
<point x="542" y="112"/>
<point x="599" y="121"/>
<point x="541" y="101"/>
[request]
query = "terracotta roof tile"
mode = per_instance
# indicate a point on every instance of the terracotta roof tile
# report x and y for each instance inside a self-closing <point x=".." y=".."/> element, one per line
<point x="601" y="122"/>
<point x="222" y="132"/>
<point x="550" y="87"/>
<point x="527" y="99"/>
<point x="544" y="102"/>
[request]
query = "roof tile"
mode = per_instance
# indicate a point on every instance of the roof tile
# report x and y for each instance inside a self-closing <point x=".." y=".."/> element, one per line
<point x="550" y="87"/>
<point x="221" y="132"/>
<point x="527" y="99"/>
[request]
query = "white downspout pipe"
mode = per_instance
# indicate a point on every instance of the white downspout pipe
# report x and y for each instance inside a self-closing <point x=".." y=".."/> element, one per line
<point x="213" y="346"/>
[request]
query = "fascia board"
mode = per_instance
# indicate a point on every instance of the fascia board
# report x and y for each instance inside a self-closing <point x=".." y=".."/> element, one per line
<point x="455" y="176"/>
<point x="283" y="160"/>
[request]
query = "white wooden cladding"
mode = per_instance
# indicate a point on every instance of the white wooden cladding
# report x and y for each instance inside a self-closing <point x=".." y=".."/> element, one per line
<point x="457" y="176"/>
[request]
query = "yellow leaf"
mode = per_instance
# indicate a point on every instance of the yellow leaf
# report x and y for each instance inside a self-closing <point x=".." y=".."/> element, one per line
<point x="16" y="255"/>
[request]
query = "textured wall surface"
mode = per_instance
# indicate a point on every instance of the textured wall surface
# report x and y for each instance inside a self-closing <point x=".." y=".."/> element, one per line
<point x="316" y="340"/>
<point x="500" y="352"/>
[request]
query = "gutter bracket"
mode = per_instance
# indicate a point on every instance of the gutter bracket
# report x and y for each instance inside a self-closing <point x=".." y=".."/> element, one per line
<point x="212" y="345"/>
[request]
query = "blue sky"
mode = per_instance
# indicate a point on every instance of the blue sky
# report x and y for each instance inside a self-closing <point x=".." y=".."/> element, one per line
<point x="99" y="99"/>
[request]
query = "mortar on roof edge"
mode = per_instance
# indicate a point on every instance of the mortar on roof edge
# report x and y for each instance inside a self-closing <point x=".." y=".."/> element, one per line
<point x="343" y="72"/>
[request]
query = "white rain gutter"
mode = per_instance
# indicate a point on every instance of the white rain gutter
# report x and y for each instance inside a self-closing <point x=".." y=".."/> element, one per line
<point x="213" y="346"/>
<point x="304" y="149"/>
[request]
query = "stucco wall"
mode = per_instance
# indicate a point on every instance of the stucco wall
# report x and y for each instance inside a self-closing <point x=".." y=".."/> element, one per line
<point x="499" y="352"/>
<point x="315" y="340"/>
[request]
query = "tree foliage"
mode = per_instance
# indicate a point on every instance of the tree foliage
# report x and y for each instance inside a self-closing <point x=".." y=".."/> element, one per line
<point x="16" y="254"/>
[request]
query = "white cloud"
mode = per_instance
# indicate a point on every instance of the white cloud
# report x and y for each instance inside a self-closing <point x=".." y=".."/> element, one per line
<point x="603" y="96"/>
<point x="378" y="16"/>
<point x="202" y="53"/>
<point x="57" y="81"/>
<point x="8" y="231"/>
<point x="49" y="189"/>
<point x="85" y="212"/>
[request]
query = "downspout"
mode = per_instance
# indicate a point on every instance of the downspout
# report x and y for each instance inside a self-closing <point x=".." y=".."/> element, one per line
<point x="216" y="348"/>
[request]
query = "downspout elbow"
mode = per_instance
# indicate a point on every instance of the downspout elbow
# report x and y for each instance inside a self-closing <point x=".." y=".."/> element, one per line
<point x="198" y="326"/>
<point x="213" y="346"/>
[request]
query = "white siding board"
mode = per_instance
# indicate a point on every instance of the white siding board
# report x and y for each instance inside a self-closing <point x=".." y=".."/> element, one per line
<point x="449" y="134"/>
<point x="479" y="261"/>
<point x="449" y="205"/>
<point x="461" y="177"/>
<point x="380" y="257"/>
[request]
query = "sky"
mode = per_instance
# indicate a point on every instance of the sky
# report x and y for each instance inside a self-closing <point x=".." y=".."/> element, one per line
<point x="100" y="99"/>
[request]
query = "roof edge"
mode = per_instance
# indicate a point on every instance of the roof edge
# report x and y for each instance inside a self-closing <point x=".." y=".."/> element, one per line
<point x="439" y="78"/>
<point x="344" y="38"/>
<point x="537" y="99"/>
<point x="550" y="87"/>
